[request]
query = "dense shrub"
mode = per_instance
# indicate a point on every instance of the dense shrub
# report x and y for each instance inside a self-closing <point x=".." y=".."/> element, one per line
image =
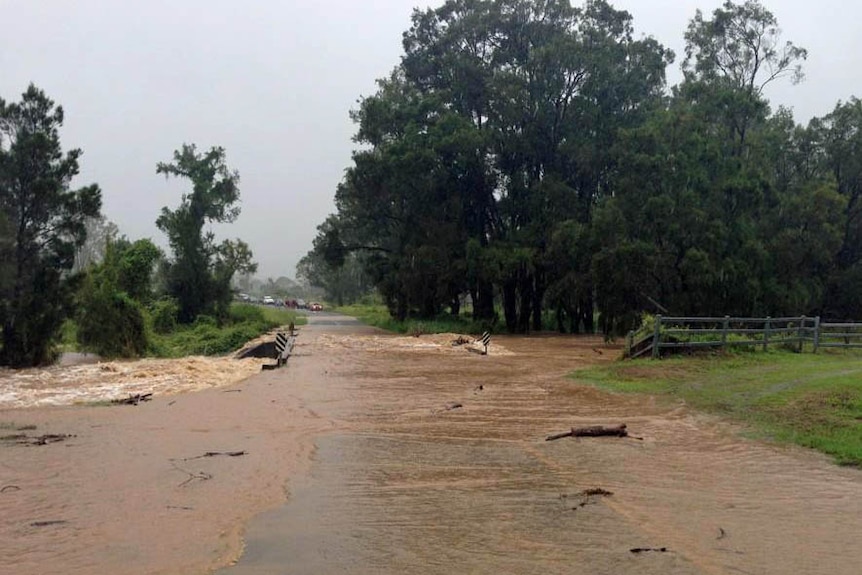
<point x="110" y="323"/>
<point x="164" y="315"/>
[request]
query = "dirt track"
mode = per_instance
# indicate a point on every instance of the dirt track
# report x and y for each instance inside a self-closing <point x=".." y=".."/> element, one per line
<point x="401" y="483"/>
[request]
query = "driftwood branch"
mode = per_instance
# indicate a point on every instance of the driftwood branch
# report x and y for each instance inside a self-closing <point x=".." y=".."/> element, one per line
<point x="24" y="439"/>
<point x="648" y="549"/>
<point x="448" y="407"/>
<point x="133" y="399"/>
<point x="592" y="431"/>
<point x="48" y="523"/>
<point x="587" y="497"/>
<point x="216" y="454"/>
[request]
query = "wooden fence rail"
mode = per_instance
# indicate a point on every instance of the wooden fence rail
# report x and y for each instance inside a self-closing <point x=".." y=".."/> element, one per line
<point x="675" y="334"/>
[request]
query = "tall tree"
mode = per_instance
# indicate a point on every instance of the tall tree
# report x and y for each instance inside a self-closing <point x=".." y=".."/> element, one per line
<point x="42" y="222"/>
<point x="200" y="273"/>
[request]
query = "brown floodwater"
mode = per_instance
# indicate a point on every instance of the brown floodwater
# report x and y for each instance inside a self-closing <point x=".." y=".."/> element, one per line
<point x="373" y="453"/>
<point x="404" y="485"/>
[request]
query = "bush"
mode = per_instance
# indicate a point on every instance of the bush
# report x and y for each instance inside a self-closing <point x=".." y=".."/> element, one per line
<point x="111" y="323"/>
<point x="164" y="315"/>
<point x="205" y="320"/>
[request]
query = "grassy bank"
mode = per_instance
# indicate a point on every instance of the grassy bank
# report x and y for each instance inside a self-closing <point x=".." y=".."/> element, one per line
<point x="207" y="337"/>
<point x="378" y="316"/>
<point x="811" y="400"/>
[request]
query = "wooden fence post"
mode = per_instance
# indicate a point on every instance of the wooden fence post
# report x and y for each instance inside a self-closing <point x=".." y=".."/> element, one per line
<point x="724" y="329"/>
<point x="656" y="337"/>
<point x="801" y="332"/>
<point x="630" y="341"/>
<point x="816" y="333"/>
<point x="766" y="334"/>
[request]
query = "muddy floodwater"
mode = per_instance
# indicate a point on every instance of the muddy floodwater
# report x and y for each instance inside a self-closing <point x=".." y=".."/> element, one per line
<point x="377" y="454"/>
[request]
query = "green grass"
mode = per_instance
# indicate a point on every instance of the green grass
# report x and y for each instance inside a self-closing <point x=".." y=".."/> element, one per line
<point x="204" y="337"/>
<point x="281" y="316"/>
<point x="378" y="316"/>
<point x="811" y="400"/>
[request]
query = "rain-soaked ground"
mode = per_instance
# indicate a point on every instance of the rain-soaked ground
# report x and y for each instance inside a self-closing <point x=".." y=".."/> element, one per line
<point x="409" y="455"/>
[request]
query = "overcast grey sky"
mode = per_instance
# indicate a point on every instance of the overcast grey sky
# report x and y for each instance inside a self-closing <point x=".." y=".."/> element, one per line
<point x="273" y="81"/>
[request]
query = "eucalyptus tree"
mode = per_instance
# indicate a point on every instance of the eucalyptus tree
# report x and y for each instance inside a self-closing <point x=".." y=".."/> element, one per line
<point x="201" y="270"/>
<point x="840" y="135"/>
<point x="42" y="222"/>
<point x="548" y="86"/>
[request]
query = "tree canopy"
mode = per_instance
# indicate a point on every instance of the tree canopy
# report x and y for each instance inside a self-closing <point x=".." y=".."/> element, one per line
<point x="529" y="154"/>
<point x="42" y="223"/>
<point x="200" y="273"/>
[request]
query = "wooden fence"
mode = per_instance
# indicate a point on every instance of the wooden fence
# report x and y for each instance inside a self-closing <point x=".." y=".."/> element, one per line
<point x="679" y="334"/>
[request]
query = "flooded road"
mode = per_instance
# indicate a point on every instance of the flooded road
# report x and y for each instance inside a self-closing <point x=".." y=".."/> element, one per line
<point x="373" y="453"/>
<point x="404" y="483"/>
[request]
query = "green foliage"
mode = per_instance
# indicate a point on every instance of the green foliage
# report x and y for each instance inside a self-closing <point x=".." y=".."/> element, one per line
<point x="135" y="273"/>
<point x="110" y="313"/>
<point x="329" y="265"/>
<point x="206" y="337"/>
<point x="163" y="314"/>
<point x="42" y="222"/>
<point x="110" y="323"/>
<point x="378" y="315"/>
<point x="241" y="313"/>
<point x="199" y="275"/>
<point x="811" y="400"/>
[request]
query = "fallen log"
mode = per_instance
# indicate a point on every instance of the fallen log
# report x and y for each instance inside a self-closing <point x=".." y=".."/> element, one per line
<point x="592" y="431"/>
<point x="48" y="523"/>
<point x="133" y="399"/>
<point x="648" y="549"/>
<point x="216" y="454"/>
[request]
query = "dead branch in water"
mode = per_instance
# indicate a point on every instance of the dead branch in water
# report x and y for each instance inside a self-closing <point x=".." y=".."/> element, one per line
<point x="448" y="407"/>
<point x="48" y="523"/>
<point x="24" y="439"/>
<point x="133" y="399"/>
<point x="595" y="491"/>
<point x="648" y="549"/>
<point x="216" y="454"/>
<point x="592" y="431"/>
<point x="587" y="496"/>
<point x="202" y="475"/>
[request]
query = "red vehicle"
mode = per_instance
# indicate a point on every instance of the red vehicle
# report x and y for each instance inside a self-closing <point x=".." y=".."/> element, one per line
<point x="315" y="307"/>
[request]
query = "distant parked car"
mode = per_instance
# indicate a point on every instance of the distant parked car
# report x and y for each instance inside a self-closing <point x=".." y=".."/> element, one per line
<point x="267" y="300"/>
<point x="315" y="307"/>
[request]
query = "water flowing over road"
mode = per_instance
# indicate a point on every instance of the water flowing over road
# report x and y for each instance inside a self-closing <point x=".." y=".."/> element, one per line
<point x="405" y="484"/>
<point x="373" y="453"/>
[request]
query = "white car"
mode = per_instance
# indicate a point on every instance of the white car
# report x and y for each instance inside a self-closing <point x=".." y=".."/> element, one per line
<point x="267" y="300"/>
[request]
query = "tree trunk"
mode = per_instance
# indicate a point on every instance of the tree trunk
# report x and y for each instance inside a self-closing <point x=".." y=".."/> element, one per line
<point x="538" y="296"/>
<point x="483" y="302"/>
<point x="526" y="285"/>
<point x="510" y="306"/>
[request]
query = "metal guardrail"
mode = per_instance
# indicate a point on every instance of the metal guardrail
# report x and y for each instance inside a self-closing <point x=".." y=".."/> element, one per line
<point x="678" y="333"/>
